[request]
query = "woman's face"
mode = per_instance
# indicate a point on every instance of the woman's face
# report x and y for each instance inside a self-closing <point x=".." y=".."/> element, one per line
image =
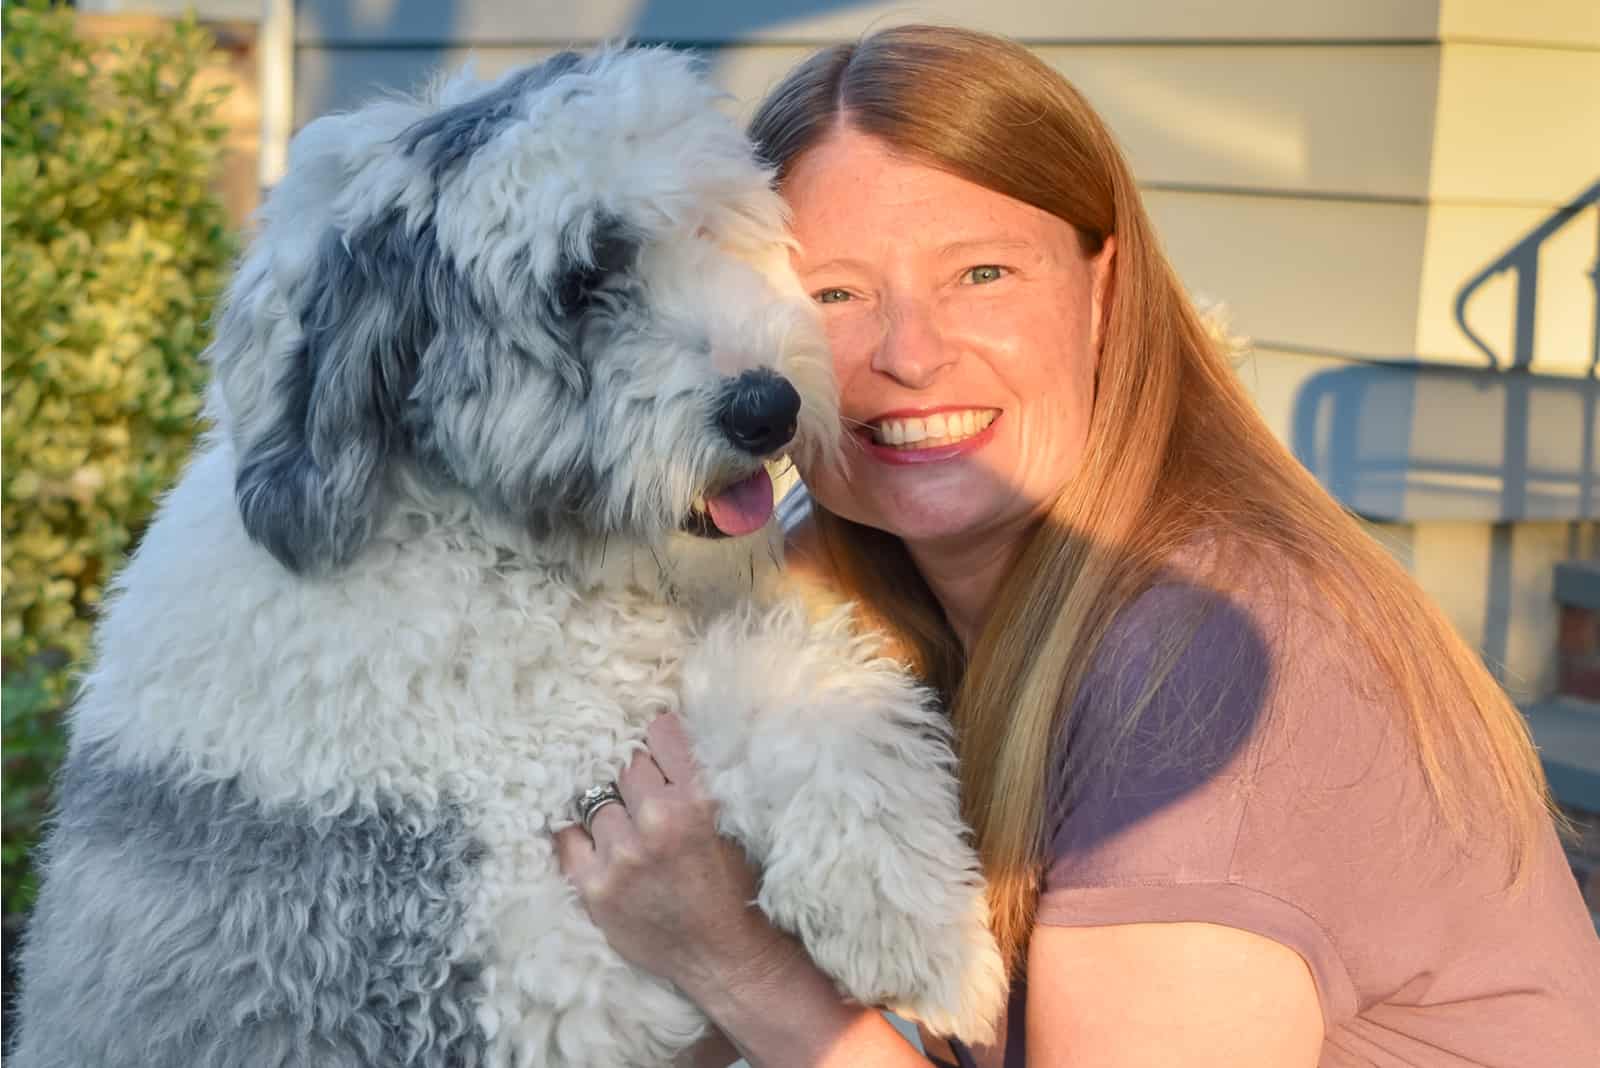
<point x="965" y="328"/>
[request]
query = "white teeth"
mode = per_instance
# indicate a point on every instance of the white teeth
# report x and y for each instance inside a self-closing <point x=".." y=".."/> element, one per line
<point x="941" y="428"/>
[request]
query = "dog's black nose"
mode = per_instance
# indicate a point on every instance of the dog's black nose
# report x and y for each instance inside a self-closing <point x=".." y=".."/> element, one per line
<point x="758" y="411"/>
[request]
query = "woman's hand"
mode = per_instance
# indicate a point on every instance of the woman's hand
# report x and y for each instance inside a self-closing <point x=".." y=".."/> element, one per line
<point x="672" y="896"/>
<point x="675" y="898"/>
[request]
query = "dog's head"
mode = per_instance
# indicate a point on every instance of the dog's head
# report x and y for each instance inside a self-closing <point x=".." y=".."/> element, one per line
<point x="566" y="293"/>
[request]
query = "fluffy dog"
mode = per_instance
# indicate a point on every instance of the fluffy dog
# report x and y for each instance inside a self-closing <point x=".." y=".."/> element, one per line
<point x="494" y="389"/>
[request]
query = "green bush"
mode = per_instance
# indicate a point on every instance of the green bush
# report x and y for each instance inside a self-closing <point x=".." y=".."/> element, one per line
<point x="114" y="248"/>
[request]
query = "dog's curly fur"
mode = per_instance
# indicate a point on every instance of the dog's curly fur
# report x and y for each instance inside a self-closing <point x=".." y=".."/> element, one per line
<point x="428" y="579"/>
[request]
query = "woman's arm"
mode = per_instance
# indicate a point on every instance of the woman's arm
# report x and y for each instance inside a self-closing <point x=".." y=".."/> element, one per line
<point x="780" y="1011"/>
<point x="1195" y="994"/>
<point x="713" y="1051"/>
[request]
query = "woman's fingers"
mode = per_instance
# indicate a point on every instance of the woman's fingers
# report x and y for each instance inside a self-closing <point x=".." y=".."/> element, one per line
<point x="610" y="824"/>
<point x="641" y="778"/>
<point x="574" y="852"/>
<point x="660" y="811"/>
<point x="669" y="745"/>
<point x="669" y="892"/>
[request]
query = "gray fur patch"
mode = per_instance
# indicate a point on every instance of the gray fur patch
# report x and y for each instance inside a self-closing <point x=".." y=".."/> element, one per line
<point x="182" y="924"/>
<point x="453" y="135"/>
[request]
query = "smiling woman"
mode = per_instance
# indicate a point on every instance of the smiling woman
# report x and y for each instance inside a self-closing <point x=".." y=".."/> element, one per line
<point x="1000" y="308"/>
<point x="1242" y="796"/>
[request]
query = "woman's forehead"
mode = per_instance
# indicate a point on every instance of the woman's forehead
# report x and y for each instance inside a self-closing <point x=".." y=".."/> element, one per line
<point x="852" y="192"/>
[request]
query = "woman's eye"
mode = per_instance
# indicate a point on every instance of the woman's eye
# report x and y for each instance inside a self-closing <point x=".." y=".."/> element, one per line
<point x="831" y="296"/>
<point x="984" y="274"/>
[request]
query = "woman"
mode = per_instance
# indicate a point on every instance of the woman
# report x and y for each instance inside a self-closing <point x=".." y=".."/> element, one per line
<point x="1241" y="795"/>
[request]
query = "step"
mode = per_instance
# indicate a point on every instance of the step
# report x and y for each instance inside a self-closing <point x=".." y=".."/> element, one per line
<point x="1577" y="596"/>
<point x="1578" y="584"/>
<point x="1567" y="732"/>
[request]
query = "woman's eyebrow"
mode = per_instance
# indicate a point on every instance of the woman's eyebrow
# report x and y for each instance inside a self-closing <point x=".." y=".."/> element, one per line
<point x="994" y="244"/>
<point x="833" y="264"/>
<point x="965" y="245"/>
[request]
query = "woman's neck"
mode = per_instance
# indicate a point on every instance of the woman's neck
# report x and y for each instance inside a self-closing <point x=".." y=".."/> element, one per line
<point x="965" y="575"/>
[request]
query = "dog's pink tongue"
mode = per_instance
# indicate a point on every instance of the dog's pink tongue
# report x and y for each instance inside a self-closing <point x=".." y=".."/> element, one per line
<point x="743" y="507"/>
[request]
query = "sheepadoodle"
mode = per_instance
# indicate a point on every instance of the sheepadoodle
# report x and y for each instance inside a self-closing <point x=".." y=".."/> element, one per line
<point x="494" y="392"/>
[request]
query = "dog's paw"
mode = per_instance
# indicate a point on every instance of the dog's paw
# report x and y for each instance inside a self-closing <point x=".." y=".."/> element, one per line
<point x="834" y="770"/>
<point x="890" y="906"/>
<point x="963" y="988"/>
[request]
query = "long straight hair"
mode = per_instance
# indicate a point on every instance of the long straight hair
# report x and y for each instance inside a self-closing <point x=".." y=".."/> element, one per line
<point x="1175" y="450"/>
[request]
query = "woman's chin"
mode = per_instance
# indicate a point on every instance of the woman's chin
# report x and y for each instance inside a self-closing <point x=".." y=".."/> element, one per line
<point x="933" y="523"/>
<point x="936" y="511"/>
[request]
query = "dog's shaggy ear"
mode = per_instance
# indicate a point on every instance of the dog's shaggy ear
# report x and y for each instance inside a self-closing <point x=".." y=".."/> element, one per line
<point x="310" y="488"/>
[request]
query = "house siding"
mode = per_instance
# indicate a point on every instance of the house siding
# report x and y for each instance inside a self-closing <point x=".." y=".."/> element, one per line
<point x="1342" y="176"/>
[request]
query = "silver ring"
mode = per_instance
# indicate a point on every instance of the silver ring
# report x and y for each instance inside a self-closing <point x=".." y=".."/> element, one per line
<point x="593" y="800"/>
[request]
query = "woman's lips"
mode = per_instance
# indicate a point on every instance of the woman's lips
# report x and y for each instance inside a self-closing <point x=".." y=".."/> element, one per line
<point x="928" y="436"/>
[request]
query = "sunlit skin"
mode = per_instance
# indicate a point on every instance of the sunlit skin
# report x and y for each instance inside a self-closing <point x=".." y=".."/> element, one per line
<point x="995" y="307"/>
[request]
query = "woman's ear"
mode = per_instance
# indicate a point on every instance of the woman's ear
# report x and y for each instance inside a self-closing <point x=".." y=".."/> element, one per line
<point x="1102" y="272"/>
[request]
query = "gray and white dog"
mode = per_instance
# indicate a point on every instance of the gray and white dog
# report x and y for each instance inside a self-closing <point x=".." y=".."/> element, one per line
<point x="494" y="391"/>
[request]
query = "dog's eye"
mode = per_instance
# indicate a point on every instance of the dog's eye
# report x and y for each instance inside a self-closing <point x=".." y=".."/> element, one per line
<point x="577" y="288"/>
<point x="612" y="251"/>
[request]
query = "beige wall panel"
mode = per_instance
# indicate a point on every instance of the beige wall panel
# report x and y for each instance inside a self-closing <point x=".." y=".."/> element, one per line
<point x="1382" y="280"/>
<point x="1275" y="379"/>
<point x="1394" y="537"/>
<point x="1558" y="22"/>
<point x="331" y="79"/>
<point x="1339" y="120"/>
<point x="1465" y="241"/>
<point x="1328" y="275"/>
<point x="1451" y="562"/>
<point x="1534" y="623"/>
<point x="1332" y="119"/>
<point x="1495" y="585"/>
<point x="547" y="21"/>
<point x="1495" y="588"/>
<point x="1516" y="124"/>
<point x="1342" y="120"/>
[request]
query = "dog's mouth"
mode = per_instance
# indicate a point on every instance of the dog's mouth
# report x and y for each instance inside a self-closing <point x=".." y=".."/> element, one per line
<point x="737" y="509"/>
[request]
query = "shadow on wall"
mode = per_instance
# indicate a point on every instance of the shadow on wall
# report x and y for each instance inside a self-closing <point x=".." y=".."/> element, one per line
<point x="722" y="20"/>
<point x="352" y="50"/>
<point x="1523" y="259"/>
<point x="413" y="22"/>
<point x="1401" y="442"/>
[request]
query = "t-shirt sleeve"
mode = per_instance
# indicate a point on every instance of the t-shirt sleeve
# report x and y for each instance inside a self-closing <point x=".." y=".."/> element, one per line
<point x="1162" y="755"/>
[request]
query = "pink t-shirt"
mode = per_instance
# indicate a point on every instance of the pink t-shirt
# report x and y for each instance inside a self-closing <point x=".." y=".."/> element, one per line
<point x="1299" y="813"/>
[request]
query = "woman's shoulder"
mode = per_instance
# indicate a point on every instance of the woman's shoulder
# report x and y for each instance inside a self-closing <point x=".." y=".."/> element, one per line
<point x="1224" y="680"/>
<point x="1272" y="784"/>
<point x="1215" y="607"/>
<point x="1229" y="710"/>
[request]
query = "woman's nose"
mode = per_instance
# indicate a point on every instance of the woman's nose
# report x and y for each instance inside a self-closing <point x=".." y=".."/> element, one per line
<point x="912" y="349"/>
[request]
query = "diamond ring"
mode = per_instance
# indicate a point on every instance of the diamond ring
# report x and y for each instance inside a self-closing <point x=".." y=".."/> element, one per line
<point x="593" y="800"/>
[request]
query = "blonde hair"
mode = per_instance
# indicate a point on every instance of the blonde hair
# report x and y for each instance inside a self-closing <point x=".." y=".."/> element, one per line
<point x="1175" y="449"/>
